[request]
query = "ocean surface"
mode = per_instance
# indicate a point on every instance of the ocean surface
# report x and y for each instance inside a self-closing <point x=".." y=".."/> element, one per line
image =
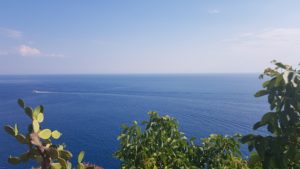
<point x="89" y="109"/>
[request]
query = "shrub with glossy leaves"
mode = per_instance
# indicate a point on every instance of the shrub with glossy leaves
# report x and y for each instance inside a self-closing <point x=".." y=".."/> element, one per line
<point x="219" y="151"/>
<point x="280" y="149"/>
<point x="40" y="147"/>
<point x="159" y="144"/>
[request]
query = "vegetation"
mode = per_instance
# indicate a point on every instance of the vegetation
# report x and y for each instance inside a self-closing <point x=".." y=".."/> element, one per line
<point x="280" y="149"/>
<point x="162" y="146"/>
<point x="158" y="143"/>
<point x="219" y="151"/>
<point x="40" y="147"/>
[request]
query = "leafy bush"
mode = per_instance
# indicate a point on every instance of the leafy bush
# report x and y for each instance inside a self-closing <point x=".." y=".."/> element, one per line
<point x="40" y="147"/>
<point x="159" y="144"/>
<point x="280" y="149"/>
<point x="221" y="152"/>
<point x="254" y="161"/>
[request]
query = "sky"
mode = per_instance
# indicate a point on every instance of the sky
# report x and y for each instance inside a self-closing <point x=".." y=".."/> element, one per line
<point x="147" y="36"/>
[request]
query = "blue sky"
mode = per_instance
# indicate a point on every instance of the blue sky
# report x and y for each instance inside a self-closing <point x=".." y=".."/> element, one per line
<point x="154" y="36"/>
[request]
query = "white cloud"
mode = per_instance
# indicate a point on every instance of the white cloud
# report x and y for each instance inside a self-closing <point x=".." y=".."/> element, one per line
<point x="25" y="50"/>
<point x="11" y="33"/>
<point x="214" y="11"/>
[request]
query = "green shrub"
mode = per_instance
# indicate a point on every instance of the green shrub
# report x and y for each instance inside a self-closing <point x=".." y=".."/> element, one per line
<point x="254" y="161"/>
<point x="159" y="144"/>
<point x="219" y="152"/>
<point x="280" y="149"/>
<point x="40" y="147"/>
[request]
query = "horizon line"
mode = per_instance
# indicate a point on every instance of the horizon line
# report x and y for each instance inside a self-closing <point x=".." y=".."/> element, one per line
<point x="74" y="74"/>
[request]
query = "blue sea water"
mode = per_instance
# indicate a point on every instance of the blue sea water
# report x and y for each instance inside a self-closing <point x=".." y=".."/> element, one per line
<point x="89" y="109"/>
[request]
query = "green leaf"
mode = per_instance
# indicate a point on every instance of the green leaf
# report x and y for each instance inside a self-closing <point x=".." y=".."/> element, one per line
<point x="54" y="154"/>
<point x="60" y="147"/>
<point x="63" y="163"/>
<point x="28" y="111"/>
<point x="258" y="125"/>
<point x="254" y="161"/>
<point x="278" y="80"/>
<point x="45" y="134"/>
<point x="193" y="139"/>
<point x="9" y="130"/>
<point x="80" y="156"/>
<point x="266" y="83"/>
<point x="67" y="155"/>
<point x="297" y="155"/>
<point x="42" y="109"/>
<point x="80" y="166"/>
<point x="261" y="93"/>
<point x="25" y="156"/>
<point x="298" y="106"/>
<point x="55" y="166"/>
<point x="14" y="160"/>
<point x="21" y="103"/>
<point x="268" y="117"/>
<point x="247" y="138"/>
<point x="21" y="139"/>
<point x="16" y="129"/>
<point x="69" y="165"/>
<point x="40" y="117"/>
<point x="36" y="126"/>
<point x="279" y="64"/>
<point x="56" y="134"/>
<point x="36" y="112"/>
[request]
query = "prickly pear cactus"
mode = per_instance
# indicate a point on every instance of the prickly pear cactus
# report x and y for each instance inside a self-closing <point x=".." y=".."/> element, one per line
<point x="38" y="140"/>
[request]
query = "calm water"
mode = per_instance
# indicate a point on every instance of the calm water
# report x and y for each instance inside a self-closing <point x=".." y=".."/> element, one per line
<point x="89" y="109"/>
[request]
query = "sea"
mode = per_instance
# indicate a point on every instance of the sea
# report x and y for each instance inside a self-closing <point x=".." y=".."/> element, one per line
<point x="90" y="109"/>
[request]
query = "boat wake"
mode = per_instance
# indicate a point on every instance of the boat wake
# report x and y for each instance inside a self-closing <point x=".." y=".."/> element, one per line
<point x="42" y="92"/>
<point x="76" y="93"/>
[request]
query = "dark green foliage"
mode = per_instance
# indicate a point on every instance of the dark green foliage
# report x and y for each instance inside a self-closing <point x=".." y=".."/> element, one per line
<point x="40" y="147"/>
<point x="221" y="152"/>
<point x="254" y="161"/>
<point x="159" y="144"/>
<point x="280" y="149"/>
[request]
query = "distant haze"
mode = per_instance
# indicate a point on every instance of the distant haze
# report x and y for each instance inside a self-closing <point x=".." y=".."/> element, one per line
<point x="170" y="36"/>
